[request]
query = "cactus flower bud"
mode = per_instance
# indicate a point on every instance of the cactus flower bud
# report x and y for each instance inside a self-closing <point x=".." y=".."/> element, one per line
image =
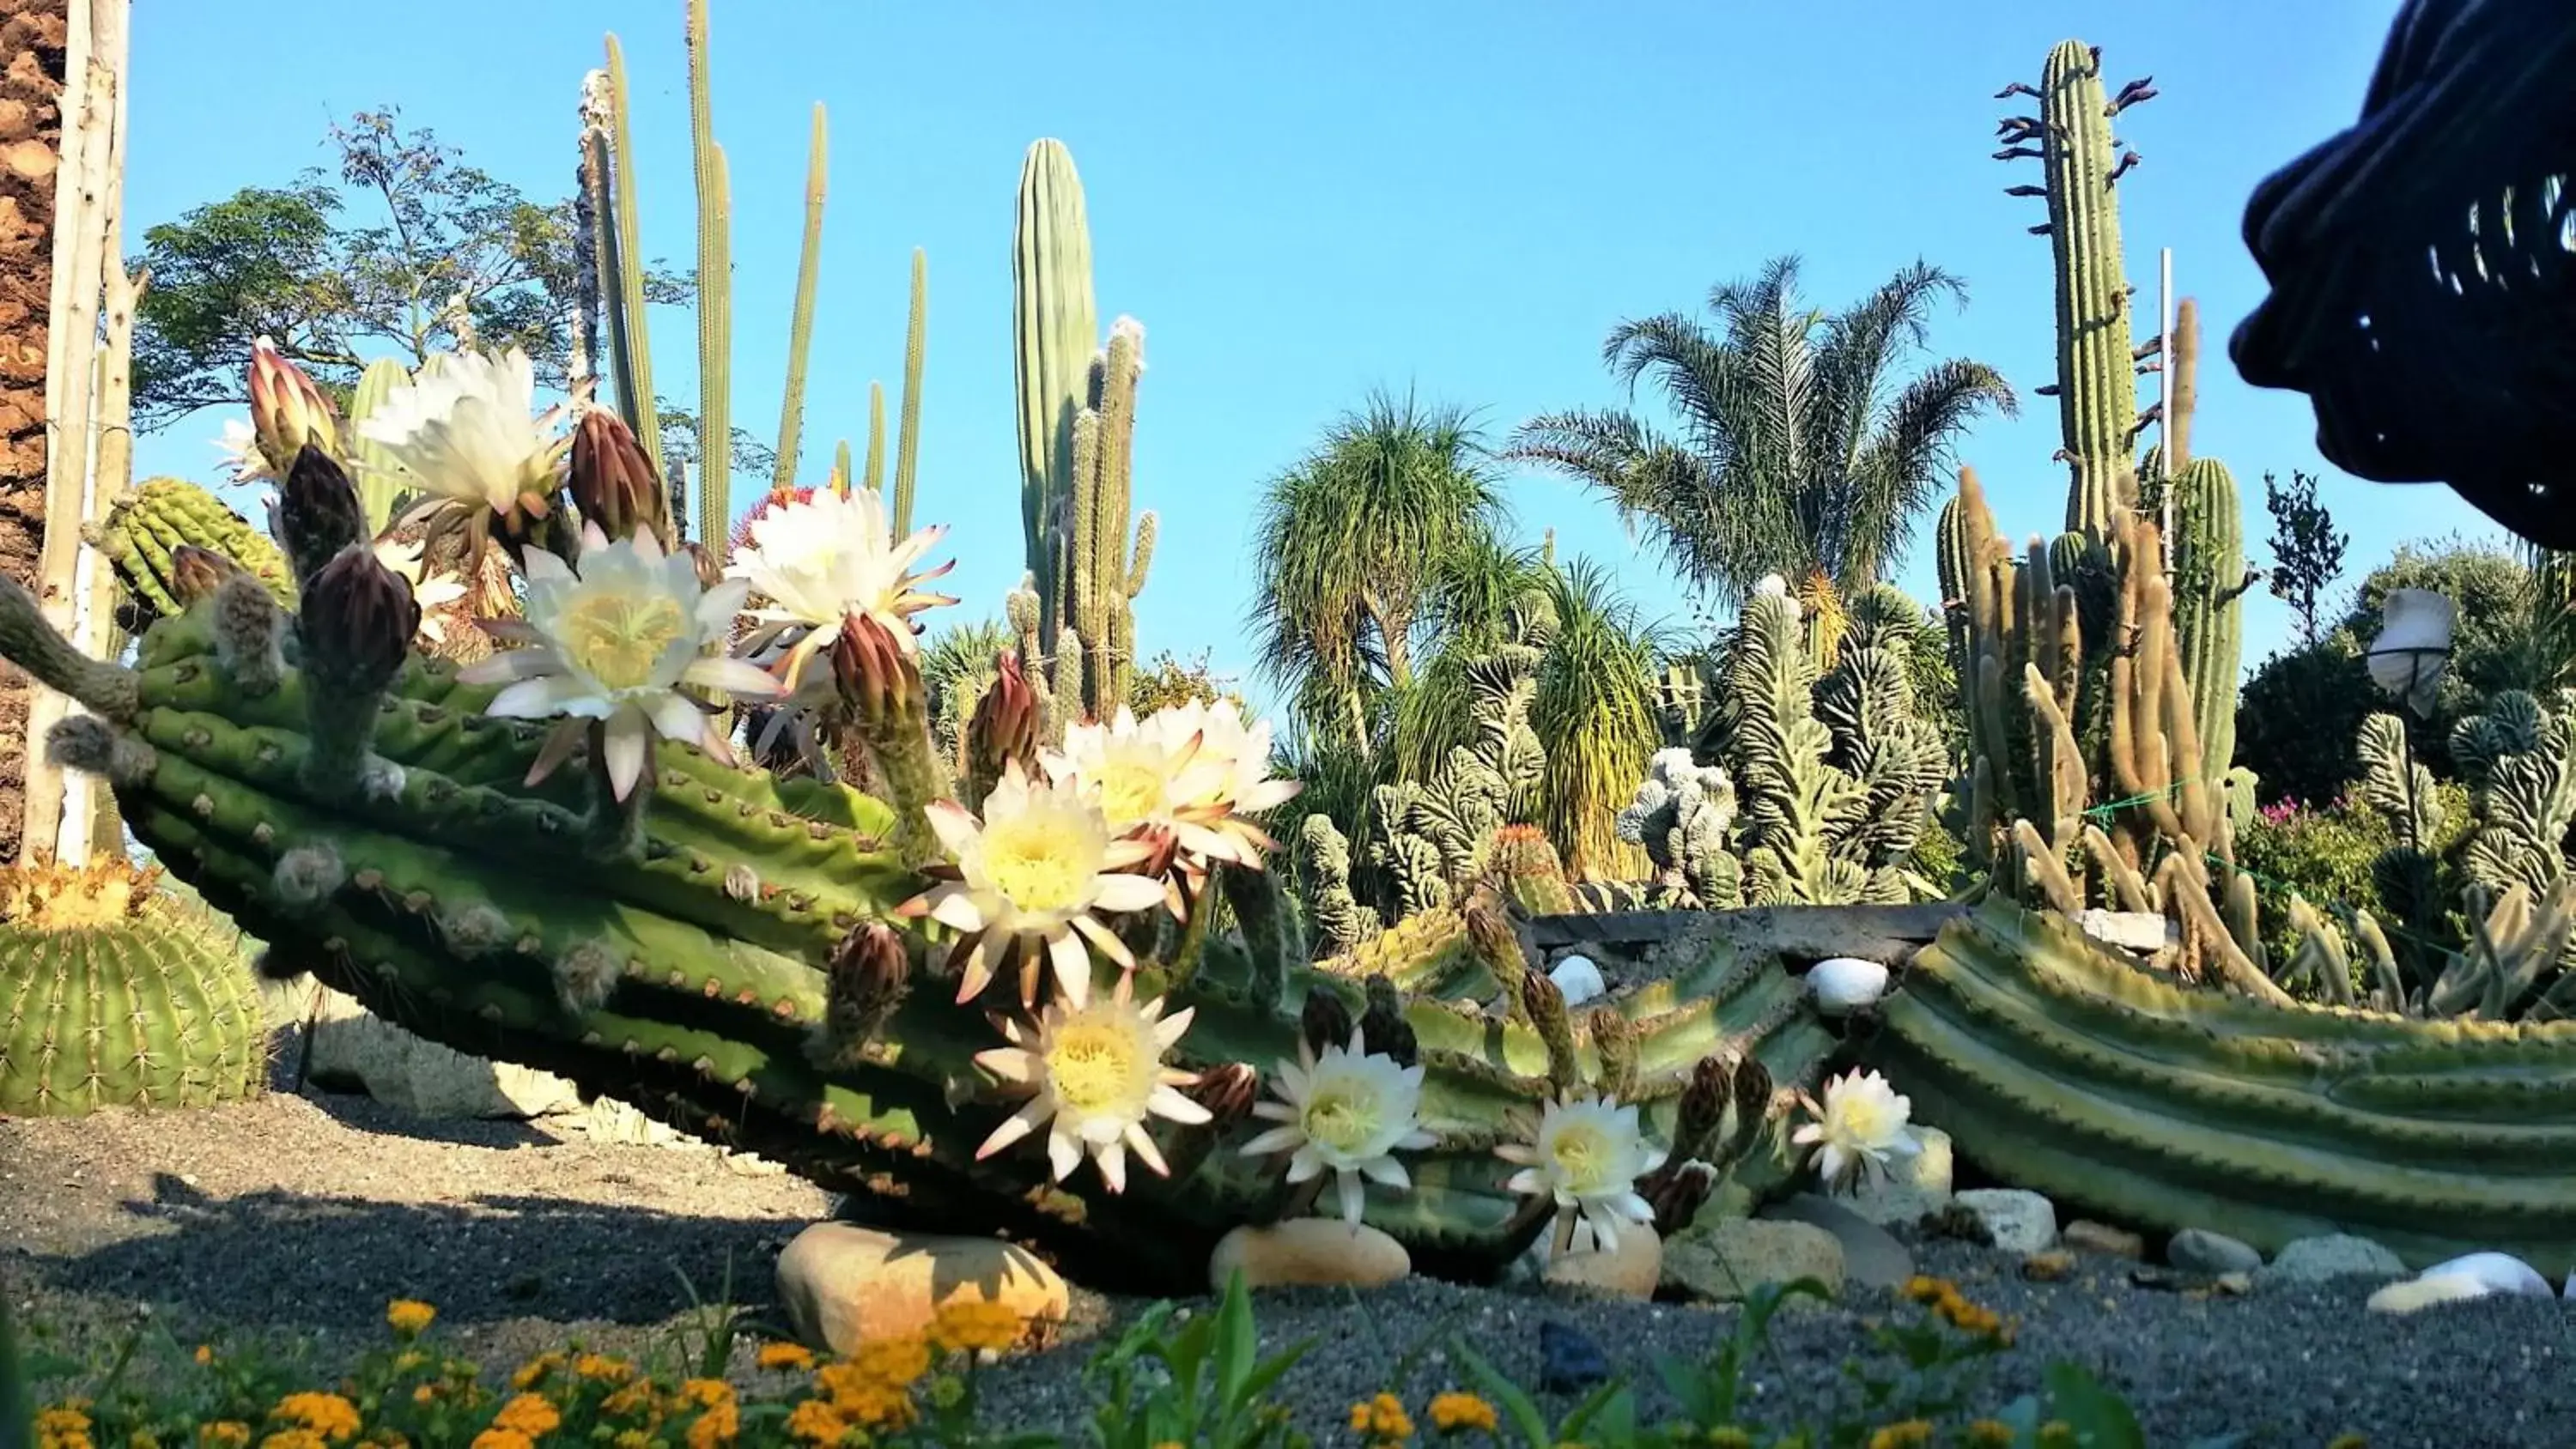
<point x="868" y="976"/>
<point x="1614" y="1040"/>
<point x="318" y="513"/>
<point x="613" y="483"/>
<point x="288" y="413"/>
<point x="877" y="677"/>
<point x="1677" y="1191"/>
<point x="1227" y="1092"/>
<point x="1703" y="1108"/>
<point x="1005" y="724"/>
<point x="357" y="619"/>
<point x="1383" y="1027"/>
<point x="1325" y="1022"/>
<point x="195" y="573"/>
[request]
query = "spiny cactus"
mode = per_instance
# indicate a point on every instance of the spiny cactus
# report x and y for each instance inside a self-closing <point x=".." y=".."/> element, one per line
<point x="146" y="529"/>
<point x="114" y="994"/>
<point x="1429" y="838"/>
<point x="1682" y="815"/>
<point x="1345" y="922"/>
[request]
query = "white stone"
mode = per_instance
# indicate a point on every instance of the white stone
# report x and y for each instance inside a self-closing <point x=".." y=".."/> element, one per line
<point x="2494" y="1273"/>
<point x="1325" y="1252"/>
<point x="1841" y="983"/>
<point x="1631" y="1268"/>
<point x="2131" y="930"/>
<point x="843" y="1285"/>
<point x="1578" y="979"/>
<point x="2018" y="1221"/>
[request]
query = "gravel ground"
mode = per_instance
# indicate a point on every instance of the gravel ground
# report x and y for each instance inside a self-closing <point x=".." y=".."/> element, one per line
<point x="302" y="1215"/>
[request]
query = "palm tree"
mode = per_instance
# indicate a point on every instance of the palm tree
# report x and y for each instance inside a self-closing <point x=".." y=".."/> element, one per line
<point x="1595" y="714"/>
<point x="1361" y="545"/>
<point x="1797" y="452"/>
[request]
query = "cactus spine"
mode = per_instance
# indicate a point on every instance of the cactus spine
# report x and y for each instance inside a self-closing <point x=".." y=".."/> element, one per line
<point x="715" y="301"/>
<point x="800" y="330"/>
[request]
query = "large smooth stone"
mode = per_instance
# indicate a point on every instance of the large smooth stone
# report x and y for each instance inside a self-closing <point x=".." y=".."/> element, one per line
<point x="1872" y="1257"/>
<point x="1724" y="1260"/>
<point x="1629" y="1270"/>
<point x="2333" y="1255"/>
<point x="1309" y="1252"/>
<point x="2013" y="1219"/>
<point x="843" y="1285"/>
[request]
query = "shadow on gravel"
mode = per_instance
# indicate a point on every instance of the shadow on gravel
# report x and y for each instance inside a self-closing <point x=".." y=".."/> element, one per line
<point x="277" y="1259"/>
<point x="363" y="1113"/>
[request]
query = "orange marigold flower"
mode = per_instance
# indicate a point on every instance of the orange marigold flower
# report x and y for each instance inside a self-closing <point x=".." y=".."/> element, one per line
<point x="1909" y="1434"/>
<point x="600" y="1368"/>
<point x="531" y="1414"/>
<point x="425" y="1394"/>
<point x="534" y="1371"/>
<point x="786" y="1356"/>
<point x="897" y="1362"/>
<point x="503" y="1439"/>
<point x="706" y="1393"/>
<point x="1452" y="1412"/>
<point x="973" y="1325"/>
<point x="816" y="1422"/>
<point x="1990" y="1434"/>
<point x="205" y="1353"/>
<point x="223" y="1434"/>
<point x="409" y="1316"/>
<point x="328" y="1415"/>
<point x="635" y="1398"/>
<point x="1381" y="1420"/>
<point x="292" y="1439"/>
<point x="717" y="1425"/>
<point x="1927" y="1290"/>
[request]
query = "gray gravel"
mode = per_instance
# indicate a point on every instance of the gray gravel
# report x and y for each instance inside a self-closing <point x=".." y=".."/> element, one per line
<point x="301" y="1216"/>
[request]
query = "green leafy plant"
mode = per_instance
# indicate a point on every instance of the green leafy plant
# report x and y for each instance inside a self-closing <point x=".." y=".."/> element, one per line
<point x="1211" y="1391"/>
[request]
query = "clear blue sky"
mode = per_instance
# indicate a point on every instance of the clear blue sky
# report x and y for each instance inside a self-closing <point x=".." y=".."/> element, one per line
<point x="1458" y="197"/>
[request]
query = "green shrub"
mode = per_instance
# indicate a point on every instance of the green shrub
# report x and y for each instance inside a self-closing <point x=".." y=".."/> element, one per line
<point x="2298" y="721"/>
<point x="2324" y="853"/>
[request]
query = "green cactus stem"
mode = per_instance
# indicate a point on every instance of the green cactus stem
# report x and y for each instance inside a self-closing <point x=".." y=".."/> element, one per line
<point x="907" y="458"/>
<point x="371" y="465"/>
<point x="715" y="301"/>
<point x="1056" y="328"/>
<point x="621" y="249"/>
<point x="800" y="330"/>
<point x="115" y="994"/>
<point x="145" y="529"/>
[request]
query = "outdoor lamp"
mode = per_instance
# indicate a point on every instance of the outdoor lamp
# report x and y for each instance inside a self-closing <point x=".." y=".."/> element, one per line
<point x="2414" y="646"/>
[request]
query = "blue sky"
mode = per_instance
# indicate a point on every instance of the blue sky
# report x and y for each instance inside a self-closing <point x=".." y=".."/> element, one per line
<point x="1327" y="198"/>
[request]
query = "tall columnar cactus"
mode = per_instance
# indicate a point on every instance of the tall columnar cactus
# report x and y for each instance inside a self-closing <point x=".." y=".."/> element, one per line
<point x="380" y="492"/>
<point x="2210" y="581"/>
<point x="715" y="301"/>
<point x="907" y="459"/>
<point x="1104" y="572"/>
<point x="115" y="994"/>
<point x="609" y="165"/>
<point x="2096" y="367"/>
<point x="146" y="529"/>
<point x="1056" y="329"/>
<point x="800" y="329"/>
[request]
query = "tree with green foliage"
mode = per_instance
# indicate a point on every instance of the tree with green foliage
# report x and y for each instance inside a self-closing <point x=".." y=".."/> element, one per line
<point x="406" y="251"/>
<point x="1363" y="547"/>
<point x="2307" y="552"/>
<point x="1798" y="450"/>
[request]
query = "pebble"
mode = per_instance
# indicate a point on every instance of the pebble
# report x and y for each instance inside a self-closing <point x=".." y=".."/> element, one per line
<point x="1315" y="1252"/>
<point x="2087" y="1236"/>
<point x="2011" y="1219"/>
<point x="1841" y="983"/>
<point x="1631" y="1269"/>
<point x="2198" y="1250"/>
<point x="2334" y="1255"/>
<point x="843" y="1285"/>
<point x="2053" y="1266"/>
<point x="1578" y="978"/>
<point x="1722" y="1261"/>
<point x="2475" y="1275"/>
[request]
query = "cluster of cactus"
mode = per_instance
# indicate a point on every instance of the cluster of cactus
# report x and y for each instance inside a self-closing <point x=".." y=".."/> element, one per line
<point x="1817" y="782"/>
<point x="146" y="531"/>
<point x="2507" y="954"/>
<point x="1429" y="838"/>
<point x="1077" y="416"/>
<point x="113" y="993"/>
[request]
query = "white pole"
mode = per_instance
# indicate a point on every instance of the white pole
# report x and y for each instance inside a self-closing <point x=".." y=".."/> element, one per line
<point x="2165" y="389"/>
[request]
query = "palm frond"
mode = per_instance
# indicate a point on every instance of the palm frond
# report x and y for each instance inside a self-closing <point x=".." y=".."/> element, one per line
<point x="1595" y="714"/>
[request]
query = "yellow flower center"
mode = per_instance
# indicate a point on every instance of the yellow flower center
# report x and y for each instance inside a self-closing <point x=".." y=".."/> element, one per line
<point x="1131" y="791"/>
<point x="1097" y="1069"/>
<point x="1342" y="1115"/>
<point x="1037" y="863"/>
<point x="1858" y="1121"/>
<point x="619" y="638"/>
<point x="1587" y="1158"/>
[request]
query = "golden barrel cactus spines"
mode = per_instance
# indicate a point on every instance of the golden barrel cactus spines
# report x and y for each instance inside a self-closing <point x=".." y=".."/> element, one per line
<point x="146" y="529"/>
<point x="115" y="994"/>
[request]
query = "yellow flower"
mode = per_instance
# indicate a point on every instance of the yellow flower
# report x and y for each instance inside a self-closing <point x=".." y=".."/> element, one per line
<point x="292" y="1439"/>
<point x="503" y="1439"/>
<point x="534" y="1371"/>
<point x="1990" y="1434"/>
<point x="425" y="1394"/>
<point x="600" y="1368"/>
<point x="635" y="1398"/>
<point x="1928" y="1290"/>
<point x="1452" y="1412"/>
<point x="409" y="1317"/>
<point x="2057" y="1434"/>
<point x="717" y="1425"/>
<point x="1381" y="1420"/>
<point x="706" y="1393"/>
<point x="223" y="1434"/>
<point x="785" y="1356"/>
<point x="66" y="1427"/>
<point x="410" y="1360"/>
<point x="815" y="1421"/>
<point x="1910" y="1434"/>
<point x="972" y="1325"/>
<point x="205" y="1353"/>
<point x="142" y="1439"/>
<point x="1727" y="1436"/>
<point x="328" y="1415"/>
<point x="894" y="1362"/>
<point x="529" y="1414"/>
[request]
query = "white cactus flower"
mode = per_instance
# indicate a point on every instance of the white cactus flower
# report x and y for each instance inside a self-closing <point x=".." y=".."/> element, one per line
<point x="1863" y="1123"/>
<point x="1587" y="1153"/>
<point x="1349" y="1111"/>
<point x="1097" y="1075"/>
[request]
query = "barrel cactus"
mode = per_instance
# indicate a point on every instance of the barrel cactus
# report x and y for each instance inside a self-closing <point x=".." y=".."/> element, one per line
<point x="147" y="533"/>
<point x="115" y="994"/>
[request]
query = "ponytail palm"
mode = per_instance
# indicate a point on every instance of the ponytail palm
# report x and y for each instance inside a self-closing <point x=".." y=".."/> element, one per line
<point x="1797" y="451"/>
<point x="1595" y="715"/>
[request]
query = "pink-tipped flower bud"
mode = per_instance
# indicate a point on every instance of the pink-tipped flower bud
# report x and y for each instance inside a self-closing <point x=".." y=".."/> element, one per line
<point x="195" y="573"/>
<point x="318" y="513"/>
<point x="877" y="677"/>
<point x="613" y="483"/>
<point x="1004" y="728"/>
<point x="287" y="410"/>
<point x="357" y="620"/>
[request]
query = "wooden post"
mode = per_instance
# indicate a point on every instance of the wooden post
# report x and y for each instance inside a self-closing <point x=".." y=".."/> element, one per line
<point x="71" y="350"/>
<point x="90" y="823"/>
